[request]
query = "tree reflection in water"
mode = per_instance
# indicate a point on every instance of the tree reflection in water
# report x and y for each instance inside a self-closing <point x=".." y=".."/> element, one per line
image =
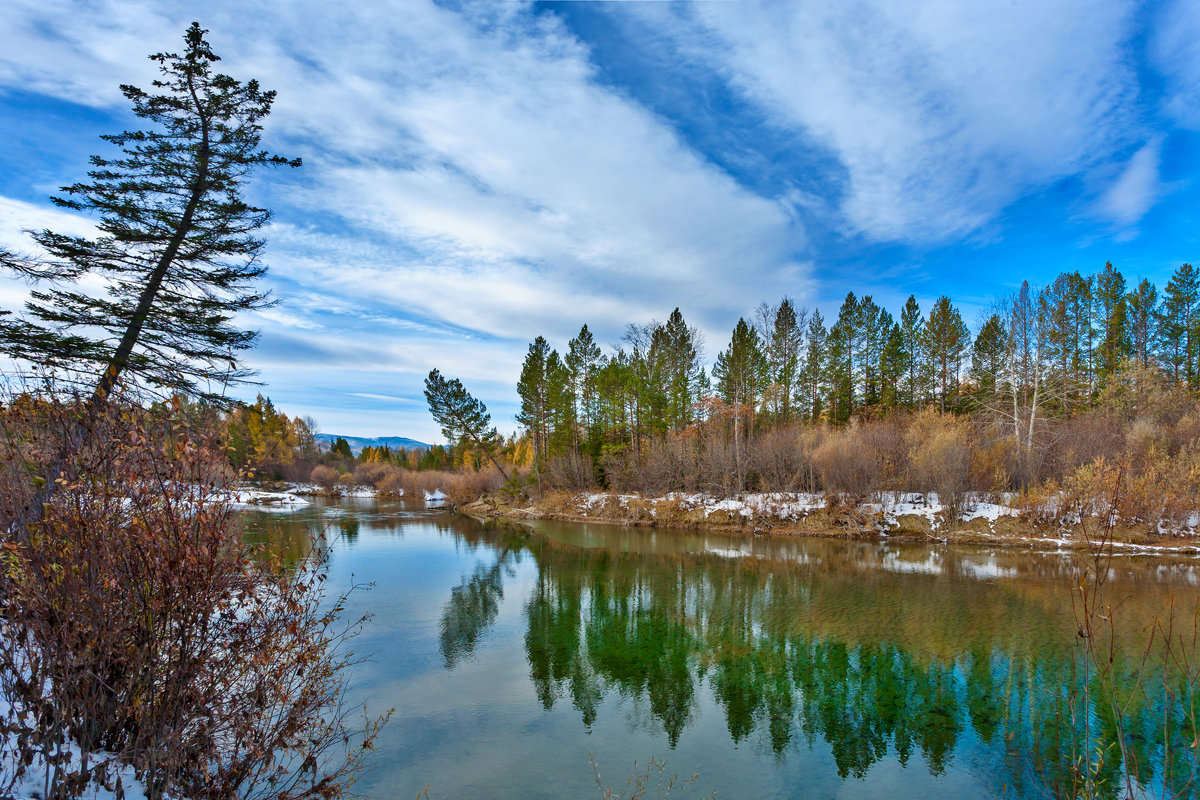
<point x="866" y="660"/>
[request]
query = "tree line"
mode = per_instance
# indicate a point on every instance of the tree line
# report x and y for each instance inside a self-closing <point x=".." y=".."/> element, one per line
<point x="1039" y="354"/>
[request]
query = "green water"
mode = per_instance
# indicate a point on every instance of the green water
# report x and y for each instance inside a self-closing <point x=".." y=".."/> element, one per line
<point x="774" y="668"/>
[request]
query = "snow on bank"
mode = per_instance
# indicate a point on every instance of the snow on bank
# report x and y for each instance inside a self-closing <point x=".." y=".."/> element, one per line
<point x="259" y="499"/>
<point x="780" y="505"/>
<point x="887" y="511"/>
<point x="312" y="490"/>
<point x="785" y="506"/>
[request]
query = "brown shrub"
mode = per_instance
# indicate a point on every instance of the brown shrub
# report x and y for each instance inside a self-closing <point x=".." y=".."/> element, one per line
<point x="469" y="485"/>
<point x="993" y="466"/>
<point x="939" y="457"/>
<point x="323" y="476"/>
<point x="392" y="484"/>
<point x="783" y="458"/>
<point x="666" y="464"/>
<point x="140" y="630"/>
<point x="372" y="473"/>
<point x="844" y="465"/>
<point x="884" y="442"/>
<point x="1082" y="439"/>
<point x="861" y="458"/>
<point x="620" y="469"/>
<point x="570" y="471"/>
<point x="717" y="469"/>
<point x="459" y="486"/>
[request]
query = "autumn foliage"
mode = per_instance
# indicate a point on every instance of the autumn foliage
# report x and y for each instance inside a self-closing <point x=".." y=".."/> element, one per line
<point x="142" y="640"/>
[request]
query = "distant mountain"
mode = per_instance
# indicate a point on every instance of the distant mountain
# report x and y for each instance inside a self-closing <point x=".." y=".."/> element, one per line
<point x="357" y="443"/>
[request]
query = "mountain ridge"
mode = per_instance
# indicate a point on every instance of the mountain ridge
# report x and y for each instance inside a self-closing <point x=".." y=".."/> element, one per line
<point x="357" y="443"/>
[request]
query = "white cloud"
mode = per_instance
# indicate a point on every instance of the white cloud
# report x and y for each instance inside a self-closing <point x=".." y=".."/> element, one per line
<point x="1136" y="188"/>
<point x="1173" y="50"/>
<point x="18" y="216"/>
<point x="941" y="113"/>
<point x="472" y="181"/>
<point x="501" y="188"/>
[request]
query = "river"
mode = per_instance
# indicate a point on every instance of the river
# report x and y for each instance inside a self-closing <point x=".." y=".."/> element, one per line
<point x="774" y="668"/>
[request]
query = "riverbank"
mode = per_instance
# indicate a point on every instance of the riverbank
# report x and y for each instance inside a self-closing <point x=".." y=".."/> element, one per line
<point x="889" y="515"/>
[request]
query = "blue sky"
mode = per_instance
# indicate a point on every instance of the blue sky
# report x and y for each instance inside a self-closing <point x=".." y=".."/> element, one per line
<point x="479" y="174"/>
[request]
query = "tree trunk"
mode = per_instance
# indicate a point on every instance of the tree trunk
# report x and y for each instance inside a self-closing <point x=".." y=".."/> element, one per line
<point x="120" y="358"/>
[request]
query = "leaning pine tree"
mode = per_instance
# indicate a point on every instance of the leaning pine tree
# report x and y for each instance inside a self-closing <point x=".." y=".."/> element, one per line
<point x="176" y="249"/>
<point x="462" y="418"/>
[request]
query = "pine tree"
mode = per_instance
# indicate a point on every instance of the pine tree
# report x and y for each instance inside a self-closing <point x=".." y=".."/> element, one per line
<point x="341" y="448"/>
<point x="1084" y="314"/>
<point x="892" y="366"/>
<point x="560" y="404"/>
<point x="1114" y="345"/>
<point x="987" y="356"/>
<point x="947" y="337"/>
<point x="1177" y="325"/>
<point x="677" y="347"/>
<point x="812" y="376"/>
<point x="583" y="359"/>
<point x="912" y="335"/>
<point x="463" y="419"/>
<point x="176" y="251"/>
<point x="783" y="352"/>
<point x="1143" y="317"/>
<point x="1060" y="309"/>
<point x="646" y="365"/>
<point x="873" y="326"/>
<point x="741" y="372"/>
<point x="534" y="394"/>
<point x="844" y="338"/>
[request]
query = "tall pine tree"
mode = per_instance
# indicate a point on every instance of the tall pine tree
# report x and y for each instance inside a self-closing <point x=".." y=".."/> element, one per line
<point x="177" y="251"/>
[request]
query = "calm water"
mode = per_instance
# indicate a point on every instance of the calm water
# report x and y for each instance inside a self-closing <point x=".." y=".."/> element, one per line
<point x="774" y="668"/>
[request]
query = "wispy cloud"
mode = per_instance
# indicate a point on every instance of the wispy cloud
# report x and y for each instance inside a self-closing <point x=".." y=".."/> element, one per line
<point x="1173" y="48"/>
<point x="477" y="174"/>
<point x="1135" y="189"/>
<point x="942" y="113"/>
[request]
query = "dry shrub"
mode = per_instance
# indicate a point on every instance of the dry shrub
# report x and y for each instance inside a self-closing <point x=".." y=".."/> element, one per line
<point x="884" y="442"/>
<point x="142" y="634"/>
<point x="717" y="469"/>
<point x="620" y="468"/>
<point x="939" y="457"/>
<point x="574" y="471"/>
<point x="468" y="485"/>
<point x="323" y="476"/>
<point x="392" y="484"/>
<point x="843" y="466"/>
<point x="860" y="459"/>
<point x="1163" y="491"/>
<point x="666" y="464"/>
<point x="459" y="486"/>
<point x="1089" y="490"/>
<point x="1082" y="439"/>
<point x="993" y="466"/>
<point x="372" y="473"/>
<point x="416" y="483"/>
<point x="1185" y="433"/>
<point x="1143" y="437"/>
<point x="296" y="472"/>
<point x="783" y="458"/>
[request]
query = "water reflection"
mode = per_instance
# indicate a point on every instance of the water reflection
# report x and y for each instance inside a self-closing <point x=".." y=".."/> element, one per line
<point x="470" y="611"/>
<point x="935" y="658"/>
<point x="877" y="660"/>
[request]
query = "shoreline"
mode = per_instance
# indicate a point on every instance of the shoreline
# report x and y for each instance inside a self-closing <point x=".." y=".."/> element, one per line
<point x="898" y="518"/>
